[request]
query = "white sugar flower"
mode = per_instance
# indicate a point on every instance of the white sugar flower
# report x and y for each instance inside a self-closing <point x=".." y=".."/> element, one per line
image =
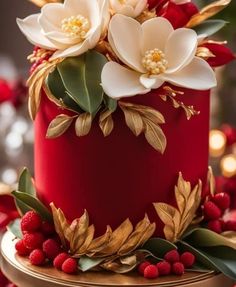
<point x="131" y="8"/>
<point x="70" y="29"/>
<point x="154" y="53"/>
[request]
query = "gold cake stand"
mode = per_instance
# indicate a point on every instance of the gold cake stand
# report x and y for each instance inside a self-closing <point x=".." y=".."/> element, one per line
<point x="19" y="271"/>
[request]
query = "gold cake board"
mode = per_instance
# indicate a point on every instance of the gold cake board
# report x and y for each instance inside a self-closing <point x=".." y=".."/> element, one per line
<point x="20" y="272"/>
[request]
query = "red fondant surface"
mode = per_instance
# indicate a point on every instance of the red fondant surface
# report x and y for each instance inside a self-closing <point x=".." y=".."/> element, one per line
<point x="120" y="176"/>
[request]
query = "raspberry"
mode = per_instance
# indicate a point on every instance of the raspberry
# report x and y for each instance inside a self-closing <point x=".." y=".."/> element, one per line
<point x="60" y="259"/>
<point x="21" y="249"/>
<point x="178" y="268"/>
<point x="142" y="266"/>
<point x="47" y="228"/>
<point x="188" y="259"/>
<point x="151" y="272"/>
<point x="172" y="256"/>
<point x="164" y="268"/>
<point x="222" y="200"/>
<point x="211" y="211"/>
<point x="31" y="221"/>
<point x="33" y="240"/>
<point x="51" y="248"/>
<point x="230" y="225"/>
<point x="215" y="225"/>
<point x="37" y="257"/>
<point x="69" y="266"/>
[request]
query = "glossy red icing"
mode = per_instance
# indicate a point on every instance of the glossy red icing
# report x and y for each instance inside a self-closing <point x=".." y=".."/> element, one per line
<point x="120" y="176"/>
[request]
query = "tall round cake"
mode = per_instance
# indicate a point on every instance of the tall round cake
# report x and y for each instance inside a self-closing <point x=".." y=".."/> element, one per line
<point x="119" y="91"/>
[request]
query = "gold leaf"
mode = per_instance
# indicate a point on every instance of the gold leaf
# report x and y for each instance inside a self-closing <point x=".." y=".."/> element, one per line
<point x="59" y="125"/>
<point x="118" y="267"/>
<point x="60" y="223"/>
<point x="211" y="181"/>
<point x="88" y="240"/>
<point x="77" y="231"/>
<point x="170" y="216"/>
<point x="118" y="238"/>
<point x="106" y="122"/>
<point x="207" y="12"/>
<point x="231" y="237"/>
<point x="83" y="124"/>
<point x="133" y="120"/>
<point x="204" y="53"/>
<point x="143" y="231"/>
<point x="99" y="243"/>
<point x="155" y="136"/>
<point x="41" y="3"/>
<point x="146" y="15"/>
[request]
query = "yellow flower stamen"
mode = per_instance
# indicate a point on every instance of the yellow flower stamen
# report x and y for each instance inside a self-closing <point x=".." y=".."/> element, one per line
<point x="76" y="26"/>
<point x="154" y="61"/>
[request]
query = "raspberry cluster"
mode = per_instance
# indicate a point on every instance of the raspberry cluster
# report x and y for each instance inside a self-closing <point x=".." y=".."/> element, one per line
<point x="214" y="210"/>
<point x="173" y="263"/>
<point x="41" y="244"/>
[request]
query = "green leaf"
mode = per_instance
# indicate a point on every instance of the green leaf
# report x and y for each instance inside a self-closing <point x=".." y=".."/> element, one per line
<point x="87" y="263"/>
<point x="210" y="27"/>
<point x="158" y="246"/>
<point x="82" y="78"/>
<point x="25" y="185"/>
<point x="15" y="228"/>
<point x="110" y="103"/>
<point x="202" y="237"/>
<point x="201" y="258"/>
<point x="224" y="258"/>
<point x="58" y="90"/>
<point x="33" y="203"/>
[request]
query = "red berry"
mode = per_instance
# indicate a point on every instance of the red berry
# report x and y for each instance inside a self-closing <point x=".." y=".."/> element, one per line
<point x="51" y="248"/>
<point x="69" y="266"/>
<point x="230" y="225"/>
<point x="222" y="200"/>
<point x="142" y="266"/>
<point x="172" y="256"/>
<point x="21" y="249"/>
<point x="37" y="257"/>
<point x="215" y="225"/>
<point x="211" y="211"/>
<point x="60" y="259"/>
<point x="164" y="268"/>
<point x="178" y="268"/>
<point x="151" y="272"/>
<point x="31" y="222"/>
<point x="188" y="259"/>
<point x="33" y="240"/>
<point x="47" y="228"/>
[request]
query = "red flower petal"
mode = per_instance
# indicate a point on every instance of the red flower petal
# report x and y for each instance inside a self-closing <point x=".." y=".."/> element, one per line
<point x="223" y="55"/>
<point x="158" y="4"/>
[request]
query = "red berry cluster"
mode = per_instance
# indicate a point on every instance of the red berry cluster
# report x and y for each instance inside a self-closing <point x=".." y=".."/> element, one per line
<point x="173" y="263"/>
<point x="214" y="209"/>
<point x="41" y="244"/>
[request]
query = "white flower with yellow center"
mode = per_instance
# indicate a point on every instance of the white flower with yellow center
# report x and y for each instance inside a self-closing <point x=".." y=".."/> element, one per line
<point x="131" y="8"/>
<point x="70" y="29"/>
<point x="154" y="53"/>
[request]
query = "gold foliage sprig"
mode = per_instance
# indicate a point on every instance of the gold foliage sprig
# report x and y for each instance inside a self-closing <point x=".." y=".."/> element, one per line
<point x="143" y="119"/>
<point x="177" y="219"/>
<point x="118" y="243"/>
<point x="106" y="122"/>
<point x="35" y="83"/>
<point x="207" y="12"/>
<point x="171" y="94"/>
<point x="41" y="3"/>
<point x="204" y="53"/>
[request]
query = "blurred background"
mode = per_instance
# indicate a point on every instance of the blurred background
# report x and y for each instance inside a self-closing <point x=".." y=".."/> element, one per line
<point x="16" y="131"/>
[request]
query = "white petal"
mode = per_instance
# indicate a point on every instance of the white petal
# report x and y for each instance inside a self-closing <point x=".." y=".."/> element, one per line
<point x="180" y="49"/>
<point x="118" y="81"/>
<point x="125" y="38"/>
<point x="104" y="14"/>
<point x="150" y="82"/>
<point x="140" y="7"/>
<point x="32" y="30"/>
<point x="72" y="51"/>
<point x="198" y="75"/>
<point x="155" y="33"/>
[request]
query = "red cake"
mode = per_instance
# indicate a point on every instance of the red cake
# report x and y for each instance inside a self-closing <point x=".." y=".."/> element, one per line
<point x="119" y="91"/>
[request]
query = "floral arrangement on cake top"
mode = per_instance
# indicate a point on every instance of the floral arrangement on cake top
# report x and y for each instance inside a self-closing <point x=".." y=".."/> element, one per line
<point x="89" y="55"/>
